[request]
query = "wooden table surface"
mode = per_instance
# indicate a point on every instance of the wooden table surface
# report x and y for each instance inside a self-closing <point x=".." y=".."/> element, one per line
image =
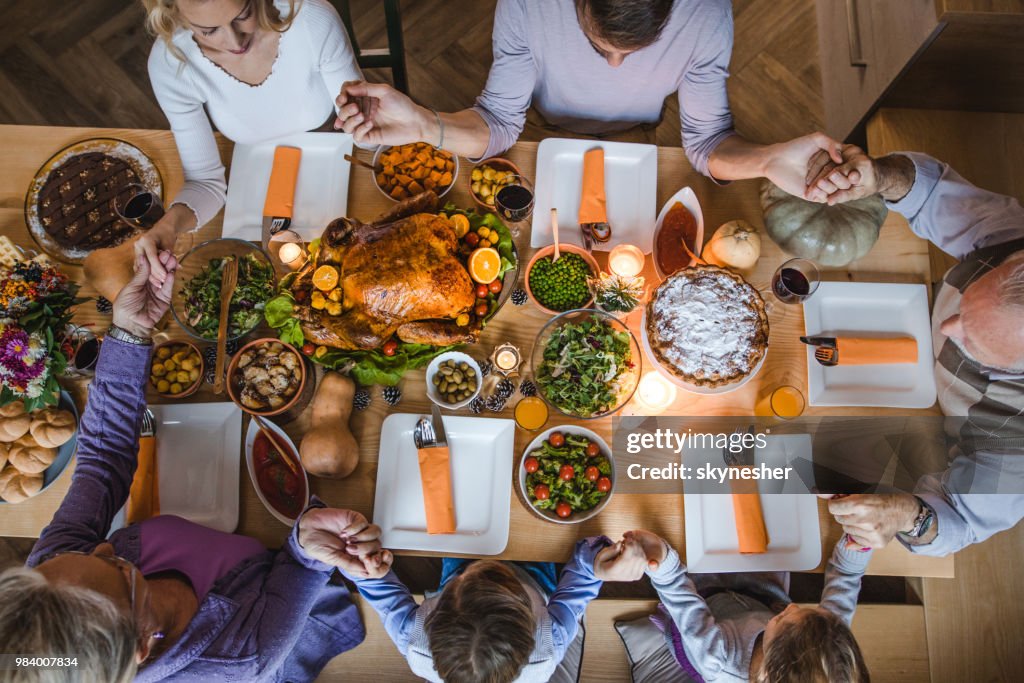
<point x="899" y="256"/>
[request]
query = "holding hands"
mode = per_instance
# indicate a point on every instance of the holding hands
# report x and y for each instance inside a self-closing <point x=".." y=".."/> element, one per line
<point x="143" y="301"/>
<point x="346" y="540"/>
<point x="873" y="520"/>
<point x="627" y="560"/>
<point x="377" y="114"/>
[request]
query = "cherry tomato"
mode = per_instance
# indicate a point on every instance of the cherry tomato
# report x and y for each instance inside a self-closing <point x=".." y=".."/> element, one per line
<point x="495" y="286"/>
<point x="531" y="465"/>
<point x="591" y="473"/>
<point x="541" y="492"/>
<point x="566" y="473"/>
<point x="604" y="484"/>
<point x="556" y="439"/>
<point x="390" y="347"/>
<point x="563" y="510"/>
<point x="481" y="291"/>
<point x="472" y="239"/>
<point x="308" y="348"/>
<point x="481" y="309"/>
<point x="593" y="449"/>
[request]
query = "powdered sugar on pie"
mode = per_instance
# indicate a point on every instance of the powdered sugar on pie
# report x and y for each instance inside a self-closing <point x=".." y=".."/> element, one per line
<point x="707" y="326"/>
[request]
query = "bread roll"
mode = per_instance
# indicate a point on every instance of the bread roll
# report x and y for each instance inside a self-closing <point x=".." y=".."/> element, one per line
<point x="13" y="422"/>
<point x="51" y="428"/>
<point x="29" y="457"/>
<point x="4" y="447"/>
<point x="16" y="486"/>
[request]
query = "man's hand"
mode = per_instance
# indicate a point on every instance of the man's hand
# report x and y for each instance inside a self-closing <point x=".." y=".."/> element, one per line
<point x="872" y="520"/>
<point x="378" y="114"/>
<point x="622" y="561"/>
<point x="654" y="546"/>
<point x="346" y="540"/>
<point x="788" y="163"/>
<point x="141" y="303"/>
<point x="859" y="176"/>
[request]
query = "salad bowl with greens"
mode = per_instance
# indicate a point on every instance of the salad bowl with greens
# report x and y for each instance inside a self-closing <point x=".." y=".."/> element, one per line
<point x="587" y="363"/>
<point x="567" y="474"/>
<point x="196" y="296"/>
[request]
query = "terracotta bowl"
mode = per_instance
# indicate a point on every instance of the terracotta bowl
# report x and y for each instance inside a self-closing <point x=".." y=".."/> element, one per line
<point x="565" y="249"/>
<point x="234" y="390"/>
<point x="497" y="163"/>
<point x="202" y="368"/>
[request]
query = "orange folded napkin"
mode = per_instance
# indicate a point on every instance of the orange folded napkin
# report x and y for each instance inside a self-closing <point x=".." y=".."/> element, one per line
<point x="144" y="496"/>
<point x="746" y="504"/>
<point x="436" y="477"/>
<point x="280" y="200"/>
<point x="592" y="201"/>
<point x="876" y="351"/>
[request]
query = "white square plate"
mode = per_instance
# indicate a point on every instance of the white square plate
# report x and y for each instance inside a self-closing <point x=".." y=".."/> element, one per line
<point x="791" y="518"/>
<point x="198" y="461"/>
<point x="878" y="309"/>
<point x="481" y="462"/>
<point x="631" y="188"/>
<point x="321" y="190"/>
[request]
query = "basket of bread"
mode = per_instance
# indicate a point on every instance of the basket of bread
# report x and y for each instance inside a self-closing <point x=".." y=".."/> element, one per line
<point x="34" y="447"/>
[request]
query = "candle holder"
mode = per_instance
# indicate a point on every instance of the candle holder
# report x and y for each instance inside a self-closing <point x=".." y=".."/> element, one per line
<point x="626" y="260"/>
<point x="655" y="394"/>
<point x="288" y="250"/>
<point x="506" y="360"/>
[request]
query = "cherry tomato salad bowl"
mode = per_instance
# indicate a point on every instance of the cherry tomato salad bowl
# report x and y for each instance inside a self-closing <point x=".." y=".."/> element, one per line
<point x="567" y="474"/>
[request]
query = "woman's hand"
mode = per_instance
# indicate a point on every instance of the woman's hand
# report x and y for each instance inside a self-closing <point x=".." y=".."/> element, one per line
<point x="161" y="237"/>
<point x="346" y="540"/>
<point x="377" y="114"/>
<point x="141" y="303"/>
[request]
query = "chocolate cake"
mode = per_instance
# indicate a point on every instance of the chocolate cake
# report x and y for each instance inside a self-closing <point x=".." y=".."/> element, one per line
<point x="76" y="203"/>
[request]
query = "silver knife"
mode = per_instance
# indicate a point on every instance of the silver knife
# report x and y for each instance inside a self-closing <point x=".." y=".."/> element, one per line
<point x="442" y="437"/>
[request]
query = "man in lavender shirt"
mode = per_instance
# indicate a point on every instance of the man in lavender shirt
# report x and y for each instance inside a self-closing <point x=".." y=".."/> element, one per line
<point x="173" y="599"/>
<point x="595" y="67"/>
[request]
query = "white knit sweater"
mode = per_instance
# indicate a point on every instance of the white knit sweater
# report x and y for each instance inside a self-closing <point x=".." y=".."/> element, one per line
<point x="314" y="59"/>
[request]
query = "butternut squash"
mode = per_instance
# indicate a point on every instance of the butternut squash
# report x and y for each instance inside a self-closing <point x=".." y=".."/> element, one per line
<point x="329" y="448"/>
<point x="108" y="270"/>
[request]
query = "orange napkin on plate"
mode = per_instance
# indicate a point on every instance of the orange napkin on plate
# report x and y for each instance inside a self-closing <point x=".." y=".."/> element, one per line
<point x="436" y="477"/>
<point x="592" y="201"/>
<point x="876" y="351"/>
<point x="746" y="504"/>
<point x="280" y="200"/>
<point x="144" y="497"/>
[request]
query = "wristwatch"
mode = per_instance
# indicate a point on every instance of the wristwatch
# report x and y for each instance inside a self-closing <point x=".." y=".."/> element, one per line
<point x="123" y="335"/>
<point x="922" y="523"/>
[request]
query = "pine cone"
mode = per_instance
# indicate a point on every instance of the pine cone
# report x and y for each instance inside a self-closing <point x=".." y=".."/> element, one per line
<point x="519" y="296"/>
<point x="527" y="388"/>
<point x="231" y="347"/>
<point x="495" y="404"/>
<point x="505" y="389"/>
<point x="392" y="395"/>
<point x="485" y="368"/>
<point x="477" y="405"/>
<point x="210" y="376"/>
<point x="362" y="399"/>
<point x="103" y="304"/>
<point x="210" y="356"/>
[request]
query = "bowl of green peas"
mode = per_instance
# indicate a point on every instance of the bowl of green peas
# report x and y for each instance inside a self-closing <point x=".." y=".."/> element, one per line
<point x="558" y="286"/>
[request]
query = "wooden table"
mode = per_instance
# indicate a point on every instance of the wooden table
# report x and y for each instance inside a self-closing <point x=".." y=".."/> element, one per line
<point x="899" y="256"/>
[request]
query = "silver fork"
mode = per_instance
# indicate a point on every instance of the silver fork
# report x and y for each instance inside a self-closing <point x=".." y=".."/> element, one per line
<point x="279" y="224"/>
<point x="423" y="434"/>
<point x="148" y="423"/>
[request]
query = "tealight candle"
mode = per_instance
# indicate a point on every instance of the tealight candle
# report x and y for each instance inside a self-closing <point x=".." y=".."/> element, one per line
<point x="626" y="260"/>
<point x="655" y="392"/>
<point x="290" y="254"/>
<point x="506" y="359"/>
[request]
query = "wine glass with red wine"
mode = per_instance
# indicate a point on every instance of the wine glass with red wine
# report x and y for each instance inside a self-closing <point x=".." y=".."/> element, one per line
<point x="138" y="206"/>
<point x="514" y="202"/>
<point x="795" y="281"/>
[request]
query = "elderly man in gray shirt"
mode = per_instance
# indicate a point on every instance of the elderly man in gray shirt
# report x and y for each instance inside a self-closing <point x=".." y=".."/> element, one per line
<point x="601" y="68"/>
<point x="978" y="335"/>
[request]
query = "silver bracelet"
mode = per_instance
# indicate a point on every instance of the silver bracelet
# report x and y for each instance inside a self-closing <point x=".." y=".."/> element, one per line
<point x="123" y="335"/>
<point x="440" y="125"/>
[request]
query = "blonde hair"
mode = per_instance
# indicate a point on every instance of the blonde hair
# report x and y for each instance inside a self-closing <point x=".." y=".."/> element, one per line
<point x="163" y="19"/>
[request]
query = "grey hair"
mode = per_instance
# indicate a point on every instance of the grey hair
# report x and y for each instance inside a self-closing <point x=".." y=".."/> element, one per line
<point x="1011" y="291"/>
<point x="53" y="620"/>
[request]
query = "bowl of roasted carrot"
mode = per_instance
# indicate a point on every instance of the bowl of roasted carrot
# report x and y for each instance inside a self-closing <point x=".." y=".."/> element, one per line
<point x="406" y="170"/>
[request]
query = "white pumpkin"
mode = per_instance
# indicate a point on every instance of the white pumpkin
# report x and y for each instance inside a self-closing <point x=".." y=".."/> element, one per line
<point x="736" y="244"/>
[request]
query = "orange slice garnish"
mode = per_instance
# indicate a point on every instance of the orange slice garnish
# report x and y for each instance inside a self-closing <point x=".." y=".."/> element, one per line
<point x="484" y="265"/>
<point x="325" y="278"/>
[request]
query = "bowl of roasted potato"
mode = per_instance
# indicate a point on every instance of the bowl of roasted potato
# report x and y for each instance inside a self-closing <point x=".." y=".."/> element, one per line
<point x="177" y="369"/>
<point x="266" y="377"/>
<point x="487" y="179"/>
<point x="407" y="170"/>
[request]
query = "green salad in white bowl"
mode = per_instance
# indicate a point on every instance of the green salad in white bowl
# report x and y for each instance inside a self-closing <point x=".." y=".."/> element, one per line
<point x="586" y="363"/>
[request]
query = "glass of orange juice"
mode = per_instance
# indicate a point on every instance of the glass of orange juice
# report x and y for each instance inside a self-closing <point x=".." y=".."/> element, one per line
<point x="784" y="402"/>
<point x="531" y="413"/>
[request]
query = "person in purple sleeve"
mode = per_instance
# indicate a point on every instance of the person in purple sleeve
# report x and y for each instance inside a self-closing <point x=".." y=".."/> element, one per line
<point x="167" y="599"/>
<point x="598" y="68"/>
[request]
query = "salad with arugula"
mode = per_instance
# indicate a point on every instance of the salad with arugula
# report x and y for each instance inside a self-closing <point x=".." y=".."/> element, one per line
<point x="256" y="283"/>
<point x="587" y="368"/>
<point x="568" y="473"/>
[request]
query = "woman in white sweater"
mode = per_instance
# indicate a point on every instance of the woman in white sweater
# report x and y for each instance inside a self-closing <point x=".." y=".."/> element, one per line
<point x="256" y="69"/>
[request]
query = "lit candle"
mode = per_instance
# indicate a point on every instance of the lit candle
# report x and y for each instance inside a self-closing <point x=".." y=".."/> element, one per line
<point x="655" y="393"/>
<point x="507" y="360"/>
<point x="290" y="254"/>
<point x="626" y="260"/>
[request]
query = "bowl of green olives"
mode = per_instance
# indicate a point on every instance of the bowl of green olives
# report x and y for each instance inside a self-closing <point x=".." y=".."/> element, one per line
<point x="453" y="380"/>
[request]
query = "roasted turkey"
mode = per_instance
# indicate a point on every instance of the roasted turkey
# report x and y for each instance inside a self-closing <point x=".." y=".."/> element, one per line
<point x="400" y="276"/>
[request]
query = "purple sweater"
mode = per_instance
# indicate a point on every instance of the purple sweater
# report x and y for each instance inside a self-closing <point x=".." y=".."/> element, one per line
<point x="273" y="617"/>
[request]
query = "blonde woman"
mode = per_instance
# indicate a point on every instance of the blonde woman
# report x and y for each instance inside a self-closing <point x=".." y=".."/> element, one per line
<point x="255" y="69"/>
